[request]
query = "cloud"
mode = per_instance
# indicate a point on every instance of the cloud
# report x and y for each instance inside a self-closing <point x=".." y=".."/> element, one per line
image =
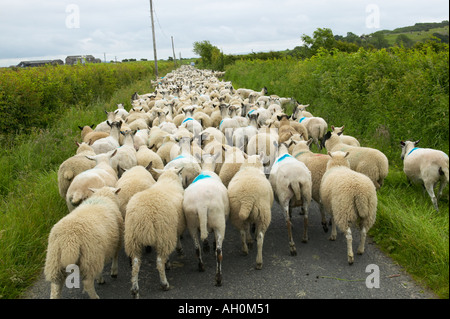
<point x="122" y="29"/>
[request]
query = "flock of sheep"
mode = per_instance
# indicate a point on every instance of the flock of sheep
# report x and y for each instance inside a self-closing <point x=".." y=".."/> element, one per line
<point x="196" y="153"/>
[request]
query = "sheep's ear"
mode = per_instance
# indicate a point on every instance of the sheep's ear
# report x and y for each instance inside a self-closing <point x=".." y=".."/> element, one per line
<point x="342" y="128"/>
<point x="402" y="143"/>
<point x="93" y="189"/>
<point x="416" y="142"/>
<point x="157" y="170"/>
<point x="109" y="124"/>
<point x="117" y="190"/>
<point x="179" y="170"/>
<point x="308" y="143"/>
<point x="329" y="153"/>
<point x="80" y="127"/>
<point x="92" y="158"/>
<point x="114" y="153"/>
<point x="346" y="154"/>
<point x="78" y="144"/>
<point x="279" y="117"/>
<point x="149" y="166"/>
<point x="332" y="127"/>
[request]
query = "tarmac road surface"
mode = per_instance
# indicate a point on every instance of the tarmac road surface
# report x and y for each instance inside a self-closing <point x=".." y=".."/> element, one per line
<point x="319" y="271"/>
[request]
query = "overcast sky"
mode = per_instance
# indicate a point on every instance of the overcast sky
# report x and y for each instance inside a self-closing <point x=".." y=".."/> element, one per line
<point x="51" y="29"/>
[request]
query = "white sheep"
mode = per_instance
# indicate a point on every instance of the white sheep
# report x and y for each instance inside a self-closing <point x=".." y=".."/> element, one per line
<point x="242" y="135"/>
<point x="292" y="187"/>
<point x="264" y="143"/>
<point x="154" y="217"/>
<point x="366" y="160"/>
<point x="316" y="126"/>
<point x="145" y="156"/>
<point x="90" y="236"/>
<point x="346" y="139"/>
<point x="425" y="166"/>
<point x="251" y="200"/>
<point x="73" y="166"/>
<point x="351" y="199"/>
<point x="110" y="143"/>
<point x="101" y="175"/>
<point x="133" y="181"/>
<point x="88" y="135"/>
<point x="206" y="208"/>
<point x="125" y="157"/>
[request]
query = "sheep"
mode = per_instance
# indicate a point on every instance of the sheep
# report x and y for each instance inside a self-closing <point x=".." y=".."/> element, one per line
<point x="317" y="165"/>
<point x="191" y="167"/>
<point x="88" y="135"/>
<point x="346" y="139"/>
<point x="425" y="166"/>
<point x="156" y="138"/>
<point x="366" y="160"/>
<point x="292" y="186"/>
<point x="154" y="217"/>
<point x="90" y="236"/>
<point x="233" y="160"/>
<point x="316" y="127"/>
<point x="145" y="156"/>
<point x="105" y="126"/>
<point x="133" y="181"/>
<point x="206" y="207"/>
<point x="251" y="199"/>
<point x="73" y="166"/>
<point x="168" y="150"/>
<point x="285" y="130"/>
<point x="101" y="175"/>
<point x="126" y="154"/>
<point x="140" y="138"/>
<point x="351" y="199"/>
<point x="241" y="135"/>
<point x="109" y="143"/>
<point x="264" y="143"/>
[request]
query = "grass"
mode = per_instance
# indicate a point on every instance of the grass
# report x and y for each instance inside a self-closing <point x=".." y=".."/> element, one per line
<point x="29" y="199"/>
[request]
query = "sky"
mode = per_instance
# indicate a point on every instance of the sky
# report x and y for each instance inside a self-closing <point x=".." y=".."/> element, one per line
<point x="116" y="30"/>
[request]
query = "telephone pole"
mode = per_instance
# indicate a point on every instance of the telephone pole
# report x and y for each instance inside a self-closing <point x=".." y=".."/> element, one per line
<point x="154" y="42"/>
<point x="174" y="56"/>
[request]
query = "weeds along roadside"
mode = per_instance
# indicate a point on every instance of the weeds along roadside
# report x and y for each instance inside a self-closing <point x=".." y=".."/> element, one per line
<point x="381" y="98"/>
<point x="30" y="203"/>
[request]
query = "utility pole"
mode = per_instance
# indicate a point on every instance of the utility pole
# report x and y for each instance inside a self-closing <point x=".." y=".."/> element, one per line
<point x="154" y="42"/>
<point x="174" y="57"/>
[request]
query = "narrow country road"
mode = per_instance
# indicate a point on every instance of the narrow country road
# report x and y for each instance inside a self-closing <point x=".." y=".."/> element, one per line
<point x="319" y="271"/>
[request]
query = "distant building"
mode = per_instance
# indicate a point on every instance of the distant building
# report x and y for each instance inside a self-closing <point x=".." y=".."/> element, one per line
<point x="25" y="64"/>
<point x="81" y="59"/>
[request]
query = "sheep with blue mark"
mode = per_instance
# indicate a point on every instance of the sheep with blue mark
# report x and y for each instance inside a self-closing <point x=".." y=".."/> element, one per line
<point x="425" y="166"/>
<point x="292" y="186"/>
<point x="206" y="208"/>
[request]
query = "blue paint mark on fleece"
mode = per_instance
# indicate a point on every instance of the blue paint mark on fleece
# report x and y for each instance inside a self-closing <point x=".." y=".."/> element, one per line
<point x="415" y="148"/>
<point x="188" y="119"/>
<point x="201" y="176"/>
<point x="301" y="119"/>
<point x="283" y="157"/>
<point x="178" y="157"/>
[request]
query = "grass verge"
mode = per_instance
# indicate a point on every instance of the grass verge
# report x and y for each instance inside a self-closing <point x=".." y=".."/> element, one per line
<point x="29" y="199"/>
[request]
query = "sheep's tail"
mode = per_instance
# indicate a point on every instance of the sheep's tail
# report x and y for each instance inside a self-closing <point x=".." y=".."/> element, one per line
<point x="68" y="175"/>
<point x="203" y="221"/>
<point x="246" y="209"/>
<point x="59" y="256"/>
<point x="76" y="199"/>
<point x="443" y="171"/>
<point x="295" y="186"/>
<point x="366" y="207"/>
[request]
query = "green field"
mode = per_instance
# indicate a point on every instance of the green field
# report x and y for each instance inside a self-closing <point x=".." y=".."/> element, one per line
<point x="382" y="98"/>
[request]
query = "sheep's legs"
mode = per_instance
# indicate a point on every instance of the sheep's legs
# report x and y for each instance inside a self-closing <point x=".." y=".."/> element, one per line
<point x="305" y="224"/>
<point x="260" y="241"/>
<point x="430" y="190"/>
<point x="198" y="251"/>
<point x="362" y="241"/>
<point x="349" y="237"/>
<point x="219" y="257"/>
<point x="333" y="230"/>
<point x="115" y="265"/>
<point x="160" y="264"/>
<point x="88" y="285"/>
<point x="324" y="219"/>
<point x="55" y="290"/>
<point x="135" y="277"/>
<point x="289" y="229"/>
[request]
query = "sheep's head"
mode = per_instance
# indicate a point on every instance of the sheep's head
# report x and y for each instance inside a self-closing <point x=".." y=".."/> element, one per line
<point x="338" y="159"/>
<point x="407" y="146"/>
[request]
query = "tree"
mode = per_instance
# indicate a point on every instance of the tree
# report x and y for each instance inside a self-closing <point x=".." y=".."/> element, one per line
<point x="205" y="50"/>
<point x="403" y="39"/>
<point x="322" y="38"/>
